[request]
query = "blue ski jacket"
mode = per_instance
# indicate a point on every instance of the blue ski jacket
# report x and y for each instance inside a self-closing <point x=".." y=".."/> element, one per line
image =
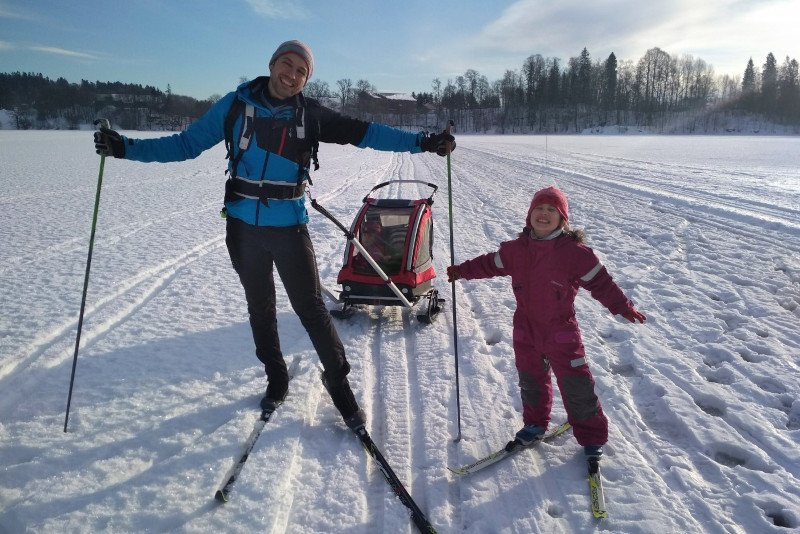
<point x="268" y="171"/>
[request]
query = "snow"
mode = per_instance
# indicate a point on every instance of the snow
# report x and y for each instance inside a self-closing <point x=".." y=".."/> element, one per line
<point x="703" y="233"/>
<point x="6" y="120"/>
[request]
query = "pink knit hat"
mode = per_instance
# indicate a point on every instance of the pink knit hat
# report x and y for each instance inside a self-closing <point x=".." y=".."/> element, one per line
<point x="553" y="196"/>
<point x="295" y="47"/>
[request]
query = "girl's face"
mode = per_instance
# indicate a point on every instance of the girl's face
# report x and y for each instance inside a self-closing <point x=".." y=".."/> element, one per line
<point x="544" y="220"/>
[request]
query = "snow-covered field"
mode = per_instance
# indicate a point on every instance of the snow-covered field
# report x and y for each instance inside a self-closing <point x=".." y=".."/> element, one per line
<point x="703" y="233"/>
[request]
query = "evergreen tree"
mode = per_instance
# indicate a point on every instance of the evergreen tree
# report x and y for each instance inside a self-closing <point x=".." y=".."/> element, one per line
<point x="749" y="86"/>
<point x="583" y="89"/>
<point x="609" y="85"/>
<point x="534" y="73"/>
<point x="553" y="93"/>
<point x="769" y="85"/>
<point x="788" y="101"/>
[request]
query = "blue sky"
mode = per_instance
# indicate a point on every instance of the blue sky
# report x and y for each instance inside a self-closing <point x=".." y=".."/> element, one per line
<point x="203" y="47"/>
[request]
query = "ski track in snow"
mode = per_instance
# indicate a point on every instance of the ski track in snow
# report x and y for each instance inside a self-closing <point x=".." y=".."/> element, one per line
<point x="703" y="400"/>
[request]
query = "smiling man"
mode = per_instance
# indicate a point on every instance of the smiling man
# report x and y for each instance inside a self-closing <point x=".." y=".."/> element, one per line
<point x="272" y="132"/>
<point x="289" y="69"/>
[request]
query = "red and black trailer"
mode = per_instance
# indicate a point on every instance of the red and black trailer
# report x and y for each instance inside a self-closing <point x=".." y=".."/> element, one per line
<point x="388" y="259"/>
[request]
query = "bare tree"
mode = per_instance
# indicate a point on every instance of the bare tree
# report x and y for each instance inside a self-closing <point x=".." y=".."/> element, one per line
<point x="471" y="77"/>
<point x="363" y="86"/>
<point x="728" y="87"/>
<point x="317" y="89"/>
<point x="345" y="91"/>
<point x="483" y="91"/>
<point x="436" y="85"/>
<point x="655" y="73"/>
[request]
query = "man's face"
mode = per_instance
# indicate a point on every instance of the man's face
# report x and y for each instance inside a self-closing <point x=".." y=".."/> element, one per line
<point x="287" y="76"/>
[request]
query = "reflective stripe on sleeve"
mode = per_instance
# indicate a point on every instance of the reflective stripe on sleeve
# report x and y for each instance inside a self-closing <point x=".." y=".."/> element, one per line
<point x="498" y="261"/>
<point x="591" y="274"/>
<point x="578" y="362"/>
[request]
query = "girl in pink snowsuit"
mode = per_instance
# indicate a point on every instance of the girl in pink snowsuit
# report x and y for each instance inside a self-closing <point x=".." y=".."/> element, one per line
<point x="547" y="264"/>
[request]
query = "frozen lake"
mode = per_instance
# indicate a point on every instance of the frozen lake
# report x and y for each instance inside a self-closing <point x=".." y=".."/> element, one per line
<point x="703" y="233"/>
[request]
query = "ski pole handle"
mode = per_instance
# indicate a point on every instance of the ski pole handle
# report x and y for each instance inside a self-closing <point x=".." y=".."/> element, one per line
<point x="102" y="123"/>
<point x="449" y="129"/>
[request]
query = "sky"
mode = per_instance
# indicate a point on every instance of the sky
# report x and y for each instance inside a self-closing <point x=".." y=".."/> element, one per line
<point x="703" y="400"/>
<point x="204" y="47"/>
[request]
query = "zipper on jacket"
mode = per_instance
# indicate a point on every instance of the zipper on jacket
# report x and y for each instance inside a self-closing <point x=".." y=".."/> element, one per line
<point x="283" y="141"/>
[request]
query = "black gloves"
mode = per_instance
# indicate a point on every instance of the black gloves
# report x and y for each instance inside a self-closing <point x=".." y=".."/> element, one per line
<point x="109" y="143"/>
<point x="438" y="143"/>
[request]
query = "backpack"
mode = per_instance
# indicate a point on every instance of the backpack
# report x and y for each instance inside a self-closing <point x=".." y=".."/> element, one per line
<point x="267" y="130"/>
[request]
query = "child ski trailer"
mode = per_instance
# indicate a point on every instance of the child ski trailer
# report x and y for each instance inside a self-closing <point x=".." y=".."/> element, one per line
<point x="388" y="258"/>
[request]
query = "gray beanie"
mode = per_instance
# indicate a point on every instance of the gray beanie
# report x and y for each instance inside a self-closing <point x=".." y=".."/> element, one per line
<point x="296" y="47"/>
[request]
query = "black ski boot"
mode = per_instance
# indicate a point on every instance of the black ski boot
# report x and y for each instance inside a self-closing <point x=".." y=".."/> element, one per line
<point x="274" y="396"/>
<point x="344" y="400"/>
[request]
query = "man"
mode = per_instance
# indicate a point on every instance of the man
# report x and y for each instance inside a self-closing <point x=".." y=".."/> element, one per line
<point x="271" y="131"/>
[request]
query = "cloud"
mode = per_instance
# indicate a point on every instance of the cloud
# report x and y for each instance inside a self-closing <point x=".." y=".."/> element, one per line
<point x="718" y="31"/>
<point x="63" y="52"/>
<point x="565" y="27"/>
<point x="14" y="13"/>
<point x="5" y="45"/>
<point x="275" y="9"/>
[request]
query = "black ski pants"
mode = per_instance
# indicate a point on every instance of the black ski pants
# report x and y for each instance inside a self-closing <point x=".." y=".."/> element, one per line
<point x="254" y="250"/>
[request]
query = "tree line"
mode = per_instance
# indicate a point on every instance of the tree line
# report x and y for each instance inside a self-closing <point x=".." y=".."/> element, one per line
<point x="36" y="101"/>
<point x="659" y="92"/>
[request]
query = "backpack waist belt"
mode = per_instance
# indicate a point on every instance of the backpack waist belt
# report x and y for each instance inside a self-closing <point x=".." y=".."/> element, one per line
<point x="267" y="190"/>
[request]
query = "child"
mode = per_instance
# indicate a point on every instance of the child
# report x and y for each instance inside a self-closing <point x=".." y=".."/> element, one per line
<point x="547" y="264"/>
<point x="371" y="239"/>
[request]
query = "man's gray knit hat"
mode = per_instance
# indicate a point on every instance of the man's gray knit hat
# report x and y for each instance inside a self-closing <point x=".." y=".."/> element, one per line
<point x="295" y="47"/>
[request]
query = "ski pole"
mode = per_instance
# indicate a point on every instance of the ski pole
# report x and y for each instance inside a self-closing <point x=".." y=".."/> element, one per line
<point x="103" y="123"/>
<point x="450" y="125"/>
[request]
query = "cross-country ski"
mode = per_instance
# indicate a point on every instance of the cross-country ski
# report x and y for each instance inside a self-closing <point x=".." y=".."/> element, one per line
<point x="512" y="448"/>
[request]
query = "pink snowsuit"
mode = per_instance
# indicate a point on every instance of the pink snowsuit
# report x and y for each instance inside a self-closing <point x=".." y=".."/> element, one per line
<point x="545" y="276"/>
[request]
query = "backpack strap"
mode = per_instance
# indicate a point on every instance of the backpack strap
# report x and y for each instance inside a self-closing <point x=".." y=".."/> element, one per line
<point x="313" y="137"/>
<point x="247" y="114"/>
